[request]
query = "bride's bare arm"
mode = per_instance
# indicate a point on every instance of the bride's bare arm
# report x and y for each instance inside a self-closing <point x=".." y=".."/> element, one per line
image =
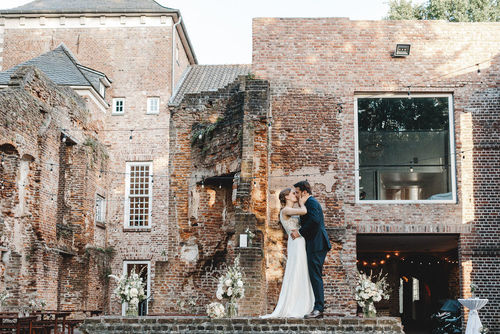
<point x="300" y="211"/>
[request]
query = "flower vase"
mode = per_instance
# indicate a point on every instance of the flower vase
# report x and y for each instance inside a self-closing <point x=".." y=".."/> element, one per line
<point x="231" y="309"/>
<point x="132" y="310"/>
<point x="369" y="310"/>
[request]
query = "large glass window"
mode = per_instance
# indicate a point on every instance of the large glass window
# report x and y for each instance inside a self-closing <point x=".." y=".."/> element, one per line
<point x="404" y="149"/>
<point x="139" y="198"/>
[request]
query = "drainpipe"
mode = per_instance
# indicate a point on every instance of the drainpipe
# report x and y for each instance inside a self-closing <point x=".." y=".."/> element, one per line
<point x="174" y="29"/>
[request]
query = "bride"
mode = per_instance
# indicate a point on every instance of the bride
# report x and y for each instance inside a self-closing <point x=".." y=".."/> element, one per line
<point x="296" y="297"/>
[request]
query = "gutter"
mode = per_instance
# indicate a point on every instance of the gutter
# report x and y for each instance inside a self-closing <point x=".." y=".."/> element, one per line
<point x="174" y="48"/>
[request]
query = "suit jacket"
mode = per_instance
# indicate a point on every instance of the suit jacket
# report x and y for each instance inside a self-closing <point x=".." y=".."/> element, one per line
<point x="313" y="227"/>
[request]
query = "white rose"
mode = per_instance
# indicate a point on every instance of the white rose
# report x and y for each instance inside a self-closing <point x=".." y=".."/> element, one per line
<point x="228" y="282"/>
<point x="240" y="283"/>
<point x="218" y="294"/>
<point x="134" y="301"/>
<point x="133" y="292"/>
<point x="377" y="298"/>
<point x="229" y="292"/>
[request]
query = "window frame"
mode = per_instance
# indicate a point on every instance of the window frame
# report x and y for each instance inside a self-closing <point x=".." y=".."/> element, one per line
<point x="115" y="102"/>
<point x="103" y="210"/>
<point x="126" y="220"/>
<point x="148" y="105"/>
<point x="102" y="89"/>
<point x="451" y="118"/>
<point x="148" y="283"/>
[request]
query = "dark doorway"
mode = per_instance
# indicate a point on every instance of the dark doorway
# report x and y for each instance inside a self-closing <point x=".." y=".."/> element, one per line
<point x="422" y="272"/>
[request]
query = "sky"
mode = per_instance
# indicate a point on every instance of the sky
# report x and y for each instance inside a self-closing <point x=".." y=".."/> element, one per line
<point x="221" y="30"/>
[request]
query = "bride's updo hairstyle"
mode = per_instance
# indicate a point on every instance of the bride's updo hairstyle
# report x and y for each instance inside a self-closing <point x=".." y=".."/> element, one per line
<point x="283" y="194"/>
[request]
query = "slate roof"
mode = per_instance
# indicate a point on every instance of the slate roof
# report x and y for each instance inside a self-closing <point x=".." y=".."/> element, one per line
<point x="61" y="67"/>
<point x="90" y="6"/>
<point x="205" y="78"/>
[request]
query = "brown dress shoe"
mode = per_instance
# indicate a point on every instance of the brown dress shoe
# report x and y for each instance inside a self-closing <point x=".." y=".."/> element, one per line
<point x="315" y="314"/>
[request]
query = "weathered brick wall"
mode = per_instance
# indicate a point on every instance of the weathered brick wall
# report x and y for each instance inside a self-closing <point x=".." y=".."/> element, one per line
<point x="137" y="58"/>
<point x="215" y="138"/>
<point x="384" y="325"/>
<point x="47" y="216"/>
<point x="314" y="65"/>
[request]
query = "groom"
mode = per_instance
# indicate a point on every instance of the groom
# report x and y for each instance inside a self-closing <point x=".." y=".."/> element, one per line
<point x="317" y="244"/>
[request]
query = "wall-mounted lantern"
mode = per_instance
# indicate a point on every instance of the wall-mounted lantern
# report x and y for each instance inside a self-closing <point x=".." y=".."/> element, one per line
<point x="402" y="50"/>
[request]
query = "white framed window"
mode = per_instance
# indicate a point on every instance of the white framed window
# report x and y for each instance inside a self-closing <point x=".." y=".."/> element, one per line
<point x="118" y="106"/>
<point x="100" y="209"/>
<point x="405" y="149"/>
<point x="144" y="269"/>
<point x="138" y="194"/>
<point x="153" y="105"/>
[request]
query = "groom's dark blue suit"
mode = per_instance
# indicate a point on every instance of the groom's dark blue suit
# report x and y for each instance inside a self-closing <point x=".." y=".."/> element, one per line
<point x="317" y="245"/>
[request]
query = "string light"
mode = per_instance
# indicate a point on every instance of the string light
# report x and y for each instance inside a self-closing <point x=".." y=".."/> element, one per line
<point x="64" y="138"/>
<point x="478" y="69"/>
<point x="130" y="137"/>
<point x="409" y="92"/>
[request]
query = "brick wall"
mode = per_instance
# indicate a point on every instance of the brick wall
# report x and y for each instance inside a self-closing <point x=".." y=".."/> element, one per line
<point x="215" y="186"/>
<point x="242" y="325"/>
<point x="314" y="64"/>
<point x="137" y="58"/>
<point x="47" y="217"/>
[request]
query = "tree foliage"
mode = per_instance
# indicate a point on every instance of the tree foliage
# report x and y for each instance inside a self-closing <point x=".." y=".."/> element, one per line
<point x="403" y="114"/>
<point x="450" y="10"/>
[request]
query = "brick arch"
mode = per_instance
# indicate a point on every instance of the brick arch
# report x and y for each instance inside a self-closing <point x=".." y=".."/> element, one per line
<point x="9" y="166"/>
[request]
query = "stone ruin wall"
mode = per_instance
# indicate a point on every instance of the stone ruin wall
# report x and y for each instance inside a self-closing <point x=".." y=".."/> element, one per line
<point x="47" y="200"/>
<point x="216" y="138"/>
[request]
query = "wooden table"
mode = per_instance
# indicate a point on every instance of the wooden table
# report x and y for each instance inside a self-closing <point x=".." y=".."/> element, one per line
<point x="53" y="316"/>
<point x="11" y="321"/>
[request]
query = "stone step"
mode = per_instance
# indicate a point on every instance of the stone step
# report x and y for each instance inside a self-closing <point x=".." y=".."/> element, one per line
<point x="176" y="324"/>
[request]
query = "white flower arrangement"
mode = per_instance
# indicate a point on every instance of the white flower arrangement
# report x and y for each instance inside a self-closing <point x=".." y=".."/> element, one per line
<point x="473" y="288"/>
<point x="36" y="304"/>
<point x="250" y="234"/>
<point x="130" y="289"/>
<point x="231" y="284"/>
<point x="371" y="289"/>
<point x="215" y="310"/>
<point x="3" y="297"/>
<point x="483" y="330"/>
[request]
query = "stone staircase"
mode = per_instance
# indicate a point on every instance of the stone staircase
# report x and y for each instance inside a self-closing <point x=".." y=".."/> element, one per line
<point x="176" y="324"/>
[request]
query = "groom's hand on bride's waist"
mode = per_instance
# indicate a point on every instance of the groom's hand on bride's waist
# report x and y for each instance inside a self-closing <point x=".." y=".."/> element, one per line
<point x="295" y="234"/>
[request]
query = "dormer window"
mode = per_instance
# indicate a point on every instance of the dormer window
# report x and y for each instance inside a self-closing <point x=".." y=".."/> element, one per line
<point x="102" y="89"/>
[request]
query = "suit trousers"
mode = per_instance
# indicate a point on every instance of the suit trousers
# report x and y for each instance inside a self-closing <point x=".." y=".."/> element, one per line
<point x="315" y="261"/>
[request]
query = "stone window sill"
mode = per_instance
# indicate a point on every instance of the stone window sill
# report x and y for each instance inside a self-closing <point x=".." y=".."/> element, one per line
<point x="101" y="225"/>
<point x="131" y="229"/>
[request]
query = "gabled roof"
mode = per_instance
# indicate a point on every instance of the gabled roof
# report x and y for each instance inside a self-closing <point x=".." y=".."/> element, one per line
<point x="206" y="78"/>
<point x="89" y="6"/>
<point x="62" y="68"/>
<point x="75" y="7"/>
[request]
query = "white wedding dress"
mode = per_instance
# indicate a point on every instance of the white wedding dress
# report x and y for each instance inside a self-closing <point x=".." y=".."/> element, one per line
<point x="296" y="297"/>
